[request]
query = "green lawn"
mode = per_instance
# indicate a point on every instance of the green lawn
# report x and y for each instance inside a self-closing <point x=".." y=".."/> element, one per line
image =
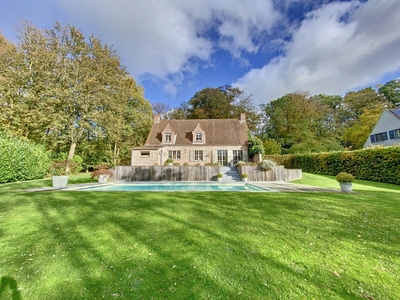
<point x="204" y="245"/>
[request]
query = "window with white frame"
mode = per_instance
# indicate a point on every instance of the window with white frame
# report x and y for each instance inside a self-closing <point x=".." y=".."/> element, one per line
<point x="237" y="156"/>
<point x="167" y="137"/>
<point x="174" y="154"/>
<point x="198" y="155"/>
<point x="199" y="137"/>
<point x="379" y="137"/>
<point x="394" y="134"/>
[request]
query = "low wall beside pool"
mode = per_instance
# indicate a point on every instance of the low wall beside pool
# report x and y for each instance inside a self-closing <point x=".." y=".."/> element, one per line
<point x="157" y="173"/>
<point x="279" y="173"/>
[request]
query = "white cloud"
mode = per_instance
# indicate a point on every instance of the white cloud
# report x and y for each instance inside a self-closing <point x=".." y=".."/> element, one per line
<point x="329" y="55"/>
<point x="161" y="38"/>
<point x="171" y="89"/>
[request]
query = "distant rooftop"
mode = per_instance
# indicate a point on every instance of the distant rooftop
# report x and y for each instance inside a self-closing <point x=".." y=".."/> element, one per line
<point x="395" y="112"/>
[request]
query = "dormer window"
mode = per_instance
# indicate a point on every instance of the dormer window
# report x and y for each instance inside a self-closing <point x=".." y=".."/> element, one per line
<point x="198" y="135"/>
<point x="167" y="137"/>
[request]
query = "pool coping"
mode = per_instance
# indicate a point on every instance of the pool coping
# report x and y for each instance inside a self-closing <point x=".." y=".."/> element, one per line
<point x="80" y="186"/>
<point x="274" y="186"/>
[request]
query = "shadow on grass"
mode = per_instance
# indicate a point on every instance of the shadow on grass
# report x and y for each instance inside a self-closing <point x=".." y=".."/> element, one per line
<point x="191" y="245"/>
<point x="9" y="284"/>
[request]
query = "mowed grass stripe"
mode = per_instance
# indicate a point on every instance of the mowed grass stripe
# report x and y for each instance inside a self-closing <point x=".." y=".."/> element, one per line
<point x="185" y="245"/>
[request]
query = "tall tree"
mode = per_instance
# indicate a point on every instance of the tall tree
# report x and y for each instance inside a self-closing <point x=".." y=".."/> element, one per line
<point x="127" y="122"/>
<point x="59" y="85"/>
<point x="359" y="113"/>
<point x="391" y="91"/>
<point x="224" y="102"/>
<point x="298" y="122"/>
<point x="357" y="134"/>
<point x="160" y="109"/>
<point x="356" y="102"/>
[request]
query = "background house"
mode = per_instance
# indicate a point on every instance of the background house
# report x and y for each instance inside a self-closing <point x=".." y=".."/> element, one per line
<point x="386" y="131"/>
<point x="194" y="141"/>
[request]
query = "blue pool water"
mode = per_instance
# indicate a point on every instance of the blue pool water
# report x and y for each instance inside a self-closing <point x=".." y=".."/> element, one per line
<point x="176" y="187"/>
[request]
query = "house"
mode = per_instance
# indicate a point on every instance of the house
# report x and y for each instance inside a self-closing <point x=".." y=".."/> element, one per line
<point x="194" y="142"/>
<point x="386" y="131"/>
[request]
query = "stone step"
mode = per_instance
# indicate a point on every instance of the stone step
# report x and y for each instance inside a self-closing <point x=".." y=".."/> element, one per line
<point x="230" y="174"/>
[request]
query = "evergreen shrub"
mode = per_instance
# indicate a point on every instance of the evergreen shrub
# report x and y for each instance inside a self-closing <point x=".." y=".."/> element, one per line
<point x="267" y="164"/>
<point x="21" y="160"/>
<point x="375" y="164"/>
<point x="344" y="177"/>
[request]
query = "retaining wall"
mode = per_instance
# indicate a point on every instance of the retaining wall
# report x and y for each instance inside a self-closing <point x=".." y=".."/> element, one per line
<point x="279" y="173"/>
<point x="157" y="173"/>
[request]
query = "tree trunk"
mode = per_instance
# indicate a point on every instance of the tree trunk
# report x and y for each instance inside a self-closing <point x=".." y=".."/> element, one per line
<point x="71" y="152"/>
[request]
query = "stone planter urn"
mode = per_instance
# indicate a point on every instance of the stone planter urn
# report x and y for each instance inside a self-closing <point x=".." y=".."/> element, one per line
<point x="346" y="186"/>
<point x="345" y="180"/>
<point x="244" y="179"/>
<point x="59" y="181"/>
<point x="170" y="164"/>
<point x="219" y="177"/>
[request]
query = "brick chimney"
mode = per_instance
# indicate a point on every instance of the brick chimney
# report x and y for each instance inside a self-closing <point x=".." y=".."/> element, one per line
<point x="242" y="118"/>
<point x="156" y="118"/>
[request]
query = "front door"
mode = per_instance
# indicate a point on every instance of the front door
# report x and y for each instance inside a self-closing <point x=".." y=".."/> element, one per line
<point x="223" y="157"/>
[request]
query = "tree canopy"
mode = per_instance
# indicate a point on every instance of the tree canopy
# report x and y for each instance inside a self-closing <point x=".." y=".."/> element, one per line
<point x="225" y="102"/>
<point x="391" y="91"/>
<point x="58" y="86"/>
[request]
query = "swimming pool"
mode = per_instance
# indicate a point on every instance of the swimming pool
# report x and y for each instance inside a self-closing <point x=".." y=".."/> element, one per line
<point x="172" y="186"/>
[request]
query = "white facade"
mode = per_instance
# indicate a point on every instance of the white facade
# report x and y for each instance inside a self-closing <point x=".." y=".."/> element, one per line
<point x="386" y="131"/>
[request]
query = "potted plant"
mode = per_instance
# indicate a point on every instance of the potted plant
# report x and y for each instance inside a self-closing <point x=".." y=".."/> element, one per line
<point x="102" y="173"/>
<point x="219" y="177"/>
<point x="170" y="162"/>
<point x="345" y="180"/>
<point x="244" y="177"/>
<point x="59" y="177"/>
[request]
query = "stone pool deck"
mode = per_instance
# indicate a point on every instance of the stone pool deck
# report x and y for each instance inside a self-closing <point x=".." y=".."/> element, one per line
<point x="275" y="186"/>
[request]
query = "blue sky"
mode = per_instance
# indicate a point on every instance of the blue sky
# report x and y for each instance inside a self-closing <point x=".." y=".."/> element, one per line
<point x="266" y="47"/>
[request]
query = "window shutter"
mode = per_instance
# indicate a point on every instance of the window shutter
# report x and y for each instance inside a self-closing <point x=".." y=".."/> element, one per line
<point x="245" y="155"/>
<point x="215" y="156"/>
<point x="385" y="137"/>
<point x="191" y="155"/>
<point x="391" y="134"/>
<point x="204" y="155"/>
<point x="372" y="138"/>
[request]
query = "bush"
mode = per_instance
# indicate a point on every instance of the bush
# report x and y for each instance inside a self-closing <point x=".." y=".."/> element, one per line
<point x="245" y="175"/>
<point x="101" y="170"/>
<point x="375" y="164"/>
<point x="255" y="145"/>
<point x="219" y="175"/>
<point x="240" y="163"/>
<point x="62" y="156"/>
<point x="267" y="165"/>
<point x="176" y="164"/>
<point x="344" y="177"/>
<point x="272" y="147"/>
<point x="21" y="160"/>
<point x="169" y="160"/>
<point x="57" y="168"/>
<point x="186" y="164"/>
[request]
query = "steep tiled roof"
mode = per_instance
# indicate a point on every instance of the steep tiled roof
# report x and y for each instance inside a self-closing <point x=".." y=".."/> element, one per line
<point x="396" y="112"/>
<point x="217" y="131"/>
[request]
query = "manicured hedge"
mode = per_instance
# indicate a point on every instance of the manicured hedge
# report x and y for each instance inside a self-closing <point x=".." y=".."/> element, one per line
<point x="376" y="164"/>
<point x="21" y="160"/>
